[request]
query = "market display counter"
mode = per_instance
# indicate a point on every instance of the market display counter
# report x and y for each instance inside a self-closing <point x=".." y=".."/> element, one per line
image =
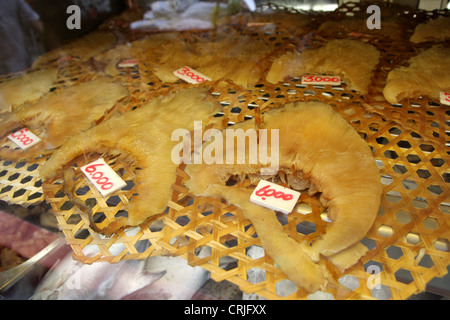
<point x="408" y="244"/>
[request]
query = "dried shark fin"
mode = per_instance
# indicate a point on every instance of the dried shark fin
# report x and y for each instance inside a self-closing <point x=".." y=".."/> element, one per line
<point x="317" y="147"/>
<point x="144" y="135"/>
<point x="351" y="59"/>
<point x="285" y="251"/>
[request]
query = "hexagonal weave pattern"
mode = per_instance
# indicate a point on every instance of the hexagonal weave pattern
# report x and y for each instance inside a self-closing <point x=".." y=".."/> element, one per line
<point x="409" y="241"/>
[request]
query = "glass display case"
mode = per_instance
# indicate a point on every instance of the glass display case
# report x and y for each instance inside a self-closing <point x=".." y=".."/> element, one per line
<point x="115" y="115"/>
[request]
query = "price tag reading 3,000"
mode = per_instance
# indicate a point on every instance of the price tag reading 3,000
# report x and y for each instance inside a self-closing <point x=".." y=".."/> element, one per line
<point x="190" y="75"/>
<point x="24" y="138"/>
<point x="325" y="80"/>
<point x="103" y="177"/>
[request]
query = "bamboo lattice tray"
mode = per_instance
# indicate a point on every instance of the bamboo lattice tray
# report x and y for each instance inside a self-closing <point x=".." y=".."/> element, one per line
<point x="20" y="183"/>
<point x="409" y="241"/>
<point x="19" y="179"/>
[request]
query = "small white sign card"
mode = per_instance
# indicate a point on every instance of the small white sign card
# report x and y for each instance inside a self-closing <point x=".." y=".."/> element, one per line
<point x="103" y="177"/>
<point x="445" y="98"/>
<point x="325" y="80"/>
<point x="275" y="197"/>
<point x="24" y="138"/>
<point x="129" y="63"/>
<point x="190" y="75"/>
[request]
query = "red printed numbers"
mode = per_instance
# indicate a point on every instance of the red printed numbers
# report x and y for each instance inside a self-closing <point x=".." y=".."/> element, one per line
<point x="321" y="80"/>
<point x="65" y="59"/>
<point x="24" y="138"/>
<point x="266" y="192"/>
<point x="103" y="177"/>
<point x="445" y="98"/>
<point x="275" y="197"/>
<point x="129" y="63"/>
<point x="190" y="75"/>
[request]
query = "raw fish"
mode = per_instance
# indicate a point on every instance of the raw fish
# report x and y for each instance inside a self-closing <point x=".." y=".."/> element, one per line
<point x="156" y="278"/>
<point x="73" y="280"/>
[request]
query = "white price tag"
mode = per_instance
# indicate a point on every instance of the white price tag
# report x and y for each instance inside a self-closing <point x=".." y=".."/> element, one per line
<point x="24" y="138"/>
<point x="325" y="80"/>
<point x="445" y="98"/>
<point x="65" y="59"/>
<point x="103" y="177"/>
<point x="267" y="27"/>
<point x="259" y="24"/>
<point x="275" y="197"/>
<point x="190" y="75"/>
<point x="129" y="63"/>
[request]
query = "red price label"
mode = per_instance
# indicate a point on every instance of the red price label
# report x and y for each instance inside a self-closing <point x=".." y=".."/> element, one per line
<point x="266" y="192"/>
<point x="190" y="75"/>
<point x="24" y="138"/>
<point x="309" y="79"/>
<point x="103" y="177"/>
<point x="65" y="59"/>
<point x="267" y="27"/>
<point x="275" y="197"/>
<point x="445" y="98"/>
<point x="129" y="63"/>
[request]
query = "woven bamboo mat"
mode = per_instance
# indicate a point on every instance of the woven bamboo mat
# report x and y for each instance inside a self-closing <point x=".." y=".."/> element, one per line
<point x="20" y="183"/>
<point x="19" y="179"/>
<point x="409" y="241"/>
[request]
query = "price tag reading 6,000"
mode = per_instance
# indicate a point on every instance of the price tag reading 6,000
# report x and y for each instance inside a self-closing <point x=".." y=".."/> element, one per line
<point x="103" y="177"/>
<point x="24" y="138"/>
<point x="445" y="98"/>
